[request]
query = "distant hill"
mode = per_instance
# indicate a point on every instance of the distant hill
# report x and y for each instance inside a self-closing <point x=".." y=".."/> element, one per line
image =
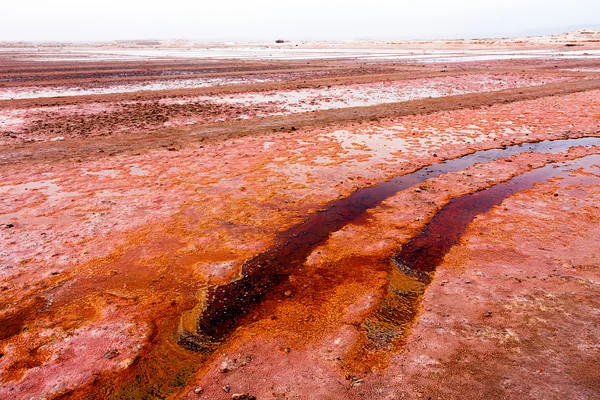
<point x="558" y="30"/>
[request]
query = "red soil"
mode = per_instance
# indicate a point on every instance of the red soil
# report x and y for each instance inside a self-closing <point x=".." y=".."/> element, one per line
<point x="111" y="235"/>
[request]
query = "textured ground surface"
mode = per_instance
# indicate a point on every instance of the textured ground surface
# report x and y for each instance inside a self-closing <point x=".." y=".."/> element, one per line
<point x="121" y="209"/>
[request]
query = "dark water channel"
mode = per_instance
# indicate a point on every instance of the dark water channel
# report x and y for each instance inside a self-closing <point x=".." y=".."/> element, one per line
<point x="225" y="304"/>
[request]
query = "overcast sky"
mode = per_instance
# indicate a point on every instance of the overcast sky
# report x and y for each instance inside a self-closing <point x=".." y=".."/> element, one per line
<point x="80" y="20"/>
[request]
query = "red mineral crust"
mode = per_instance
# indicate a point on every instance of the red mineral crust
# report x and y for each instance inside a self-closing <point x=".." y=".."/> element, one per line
<point x="230" y="229"/>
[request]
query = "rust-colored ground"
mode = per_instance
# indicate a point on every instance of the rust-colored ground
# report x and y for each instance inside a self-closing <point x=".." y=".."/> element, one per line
<point x="124" y="210"/>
